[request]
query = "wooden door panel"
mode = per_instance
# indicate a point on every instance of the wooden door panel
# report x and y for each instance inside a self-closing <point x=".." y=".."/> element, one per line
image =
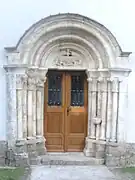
<point x="55" y="123"/>
<point x="54" y="111"/>
<point x="76" y="123"/>
<point x="76" y="118"/>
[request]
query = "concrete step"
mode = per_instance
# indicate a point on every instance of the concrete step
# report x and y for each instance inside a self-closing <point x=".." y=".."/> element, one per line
<point x="68" y="159"/>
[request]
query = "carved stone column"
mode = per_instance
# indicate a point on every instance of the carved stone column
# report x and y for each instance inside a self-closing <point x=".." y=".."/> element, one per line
<point x="115" y="106"/>
<point x="34" y="110"/>
<point x="25" y="101"/>
<point x="89" y="149"/>
<point x="16" y="143"/>
<point x="94" y="107"/>
<point x="40" y="106"/>
<point x="123" y="109"/>
<point x="97" y="120"/>
<point x="89" y="105"/>
<point x="11" y="110"/>
<point x="103" y="109"/>
<point x="41" y="149"/>
<point x="31" y="89"/>
<point x="19" y="103"/>
<point x="100" y="121"/>
<point x="109" y="111"/>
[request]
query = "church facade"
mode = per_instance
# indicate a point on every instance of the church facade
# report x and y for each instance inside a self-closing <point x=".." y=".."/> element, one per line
<point x="67" y="81"/>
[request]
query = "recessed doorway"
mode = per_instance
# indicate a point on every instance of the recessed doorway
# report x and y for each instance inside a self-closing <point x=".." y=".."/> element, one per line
<point x="65" y="112"/>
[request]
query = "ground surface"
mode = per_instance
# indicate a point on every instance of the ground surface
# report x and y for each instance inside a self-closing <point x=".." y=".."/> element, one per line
<point x="12" y="173"/>
<point x="67" y="172"/>
<point x="124" y="173"/>
<point x="71" y="172"/>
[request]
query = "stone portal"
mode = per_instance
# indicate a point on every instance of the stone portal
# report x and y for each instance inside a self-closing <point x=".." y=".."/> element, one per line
<point x="67" y="42"/>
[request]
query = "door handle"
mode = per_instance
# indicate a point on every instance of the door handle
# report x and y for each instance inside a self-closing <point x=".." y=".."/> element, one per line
<point x="68" y="109"/>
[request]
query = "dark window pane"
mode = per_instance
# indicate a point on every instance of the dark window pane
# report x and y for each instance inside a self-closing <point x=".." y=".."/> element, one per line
<point x="54" y="90"/>
<point x="77" y="90"/>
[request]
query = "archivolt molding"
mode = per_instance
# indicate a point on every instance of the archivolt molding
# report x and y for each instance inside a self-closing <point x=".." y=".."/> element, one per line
<point x="96" y="45"/>
<point x="61" y="36"/>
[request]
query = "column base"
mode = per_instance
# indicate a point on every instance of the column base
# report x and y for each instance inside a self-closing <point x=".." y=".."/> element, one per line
<point x="24" y="152"/>
<point x="17" y="155"/>
<point x="94" y="148"/>
<point x="90" y="147"/>
<point x="40" y="145"/>
<point x="31" y="147"/>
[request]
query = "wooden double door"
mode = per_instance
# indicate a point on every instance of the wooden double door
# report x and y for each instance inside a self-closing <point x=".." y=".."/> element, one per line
<point x="65" y="112"/>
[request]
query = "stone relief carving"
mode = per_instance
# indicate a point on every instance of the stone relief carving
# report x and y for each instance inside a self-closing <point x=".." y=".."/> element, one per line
<point x="40" y="81"/>
<point x="21" y="81"/>
<point x="31" y="82"/>
<point x="31" y="72"/>
<point x="67" y="59"/>
<point x="67" y="62"/>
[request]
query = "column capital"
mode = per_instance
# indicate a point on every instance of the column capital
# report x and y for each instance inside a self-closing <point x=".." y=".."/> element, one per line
<point x="111" y="79"/>
<point x="40" y="81"/>
<point x="21" y="81"/>
<point x="115" y="85"/>
<point x="92" y="73"/>
<point x="31" y="83"/>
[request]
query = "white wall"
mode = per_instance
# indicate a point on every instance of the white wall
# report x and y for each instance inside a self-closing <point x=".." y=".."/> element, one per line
<point x="117" y="15"/>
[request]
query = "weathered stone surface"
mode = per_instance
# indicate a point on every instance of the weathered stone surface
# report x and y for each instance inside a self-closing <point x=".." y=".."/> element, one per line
<point x="90" y="147"/>
<point x="78" y="159"/>
<point x="22" y="160"/>
<point x="120" y="154"/>
<point x="71" y="172"/>
<point x="31" y="148"/>
<point x="100" y="150"/>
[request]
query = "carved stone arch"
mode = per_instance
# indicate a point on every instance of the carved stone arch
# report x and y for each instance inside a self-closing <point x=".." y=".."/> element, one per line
<point x="36" y="33"/>
<point x="94" y="48"/>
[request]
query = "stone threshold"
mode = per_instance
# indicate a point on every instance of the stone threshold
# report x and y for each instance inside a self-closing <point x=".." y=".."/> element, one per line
<point x="78" y="159"/>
